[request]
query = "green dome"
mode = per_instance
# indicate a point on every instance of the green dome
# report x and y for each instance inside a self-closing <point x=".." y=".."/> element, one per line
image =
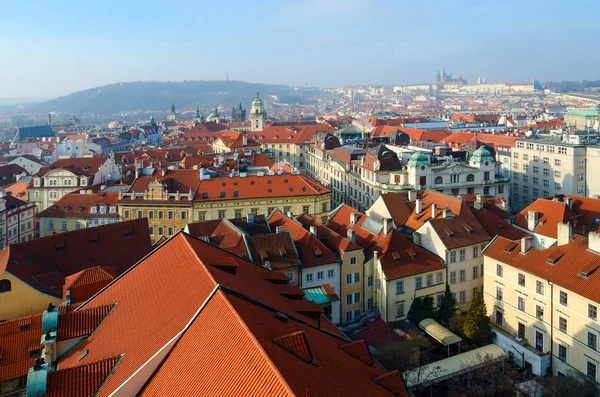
<point x="257" y="102"/>
<point x="418" y="159"/>
<point x="482" y="154"/>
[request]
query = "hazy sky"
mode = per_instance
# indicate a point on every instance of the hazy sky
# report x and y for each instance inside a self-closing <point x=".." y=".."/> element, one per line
<point x="51" y="48"/>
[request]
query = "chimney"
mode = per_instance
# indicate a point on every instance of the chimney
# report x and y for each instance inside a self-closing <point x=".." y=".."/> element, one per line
<point x="163" y="172"/>
<point x="279" y="229"/>
<point x="416" y="238"/>
<point x="447" y="213"/>
<point x="569" y="201"/>
<point x="289" y="214"/>
<point x="526" y="244"/>
<point x="387" y="223"/>
<point x="313" y="231"/>
<point x="412" y="195"/>
<point x="352" y="218"/>
<point x="433" y="210"/>
<point x="49" y="119"/>
<point x="565" y="233"/>
<point x="594" y="242"/>
<point x="418" y="206"/>
<point x="375" y="259"/>
<point x="478" y="202"/>
<point x="532" y="219"/>
<point x="351" y="235"/>
<point x="245" y="140"/>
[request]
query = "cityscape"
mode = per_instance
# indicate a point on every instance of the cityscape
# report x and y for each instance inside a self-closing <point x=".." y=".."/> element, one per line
<point x="433" y="233"/>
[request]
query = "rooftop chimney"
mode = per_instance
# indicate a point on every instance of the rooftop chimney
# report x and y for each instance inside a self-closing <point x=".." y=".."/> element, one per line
<point x="569" y="201"/>
<point x="565" y="233"/>
<point x="289" y="214"/>
<point x="418" y="206"/>
<point x="594" y="242"/>
<point x="447" y="213"/>
<point x="433" y="210"/>
<point x="313" y="231"/>
<point x="352" y="218"/>
<point x="245" y="140"/>
<point x="526" y="244"/>
<point x="478" y="203"/>
<point x="279" y="229"/>
<point x="351" y="235"/>
<point x="532" y="219"/>
<point x="387" y="224"/>
<point x="412" y="195"/>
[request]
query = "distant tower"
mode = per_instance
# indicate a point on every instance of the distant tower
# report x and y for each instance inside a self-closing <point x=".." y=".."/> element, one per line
<point x="257" y="115"/>
<point x="172" y="114"/>
<point x="152" y="122"/>
<point x="239" y="114"/>
<point x="198" y="118"/>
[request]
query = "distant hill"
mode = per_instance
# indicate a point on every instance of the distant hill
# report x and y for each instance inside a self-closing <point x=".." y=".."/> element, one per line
<point x="154" y="95"/>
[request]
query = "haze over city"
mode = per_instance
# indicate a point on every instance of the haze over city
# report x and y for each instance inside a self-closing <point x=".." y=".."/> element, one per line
<point x="51" y="49"/>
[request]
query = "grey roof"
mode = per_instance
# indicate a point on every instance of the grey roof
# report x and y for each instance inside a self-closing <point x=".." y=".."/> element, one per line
<point x="38" y="131"/>
<point x="372" y="226"/>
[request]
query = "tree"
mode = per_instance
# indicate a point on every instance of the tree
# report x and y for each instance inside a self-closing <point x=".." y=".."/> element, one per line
<point x="448" y="306"/>
<point x="477" y="323"/>
<point x="421" y="308"/>
<point x="491" y="379"/>
<point x="573" y="385"/>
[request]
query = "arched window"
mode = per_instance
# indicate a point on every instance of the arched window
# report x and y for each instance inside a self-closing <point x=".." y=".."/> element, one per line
<point x="438" y="180"/>
<point x="4" y="286"/>
<point x="470" y="178"/>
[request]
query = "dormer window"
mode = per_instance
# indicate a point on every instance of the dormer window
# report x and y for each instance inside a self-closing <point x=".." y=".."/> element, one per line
<point x="103" y="209"/>
<point x="112" y="209"/>
<point x="36" y="182"/>
<point x="93" y="209"/>
<point x="83" y="181"/>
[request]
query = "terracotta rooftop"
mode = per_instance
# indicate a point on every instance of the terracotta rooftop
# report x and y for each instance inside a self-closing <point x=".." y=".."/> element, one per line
<point x="550" y="214"/>
<point x="82" y="381"/>
<point x="84" y="284"/>
<point x="44" y="263"/>
<point x="82" y="205"/>
<point x="19" y="345"/>
<point x="79" y="166"/>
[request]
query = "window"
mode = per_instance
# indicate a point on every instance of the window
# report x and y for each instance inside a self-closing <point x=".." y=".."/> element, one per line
<point x="305" y="208"/>
<point x="348" y="278"/>
<point x="5" y="286"/>
<point x="546" y="160"/>
<point x="539" y="341"/>
<point x="557" y="162"/>
<point x="546" y="171"/>
<point x="370" y="304"/>
<point x="439" y="278"/>
<point x="452" y="277"/>
<point x="320" y="275"/>
<point x="563" y="298"/>
<point x="161" y="231"/>
<point x="63" y="225"/>
<point x="126" y="214"/>
<point x="151" y="230"/>
<point x="330" y="273"/>
<point x="77" y="225"/>
<point x="581" y="164"/>
<point x="419" y="282"/>
<point x="521" y="279"/>
<point x="521" y="303"/>
<point x="161" y="215"/>
<point x="221" y="214"/>
<point x="521" y="331"/>
<point x="546" y="183"/>
<point x="453" y="257"/>
<point x="349" y="299"/>
<point x="353" y="260"/>
<point x="557" y="186"/>
<point x="150" y="214"/>
<point x="290" y="276"/>
<point x="323" y="207"/>
<point x="499" y="317"/>
<point x="462" y="297"/>
<point x="539" y="312"/>
<point x="356" y="297"/>
<point x="499" y="293"/>
<point x="562" y="353"/>
<point x="499" y="270"/>
<point x="170" y="215"/>
<point x="238" y="213"/>
<point x="183" y="215"/>
<point x="562" y="324"/>
<point x="539" y="287"/>
<point x="557" y="174"/>
<point x="536" y="170"/>
<point x="399" y="309"/>
<point x="462" y="255"/>
<point x="171" y="231"/>
<point x="475" y="271"/>
<point x="475" y="252"/>
<point x="562" y="150"/>
<point x="592" y="341"/>
<point x="591" y="370"/>
<point x="429" y="280"/>
<point x="309" y="277"/>
<point x="592" y="312"/>
<point x="463" y="275"/>
<point x="378" y="284"/>
<point x="357" y="277"/>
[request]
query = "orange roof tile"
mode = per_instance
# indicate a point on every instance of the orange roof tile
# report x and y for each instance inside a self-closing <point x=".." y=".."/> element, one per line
<point x="19" y="342"/>
<point x="80" y="323"/>
<point x="84" y="284"/>
<point x="550" y="214"/>
<point x="82" y="381"/>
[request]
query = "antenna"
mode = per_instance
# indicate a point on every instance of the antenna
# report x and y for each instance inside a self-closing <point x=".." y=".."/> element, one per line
<point x="227" y="75"/>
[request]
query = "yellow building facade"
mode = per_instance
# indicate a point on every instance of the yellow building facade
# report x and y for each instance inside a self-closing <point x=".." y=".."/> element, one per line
<point x="17" y="299"/>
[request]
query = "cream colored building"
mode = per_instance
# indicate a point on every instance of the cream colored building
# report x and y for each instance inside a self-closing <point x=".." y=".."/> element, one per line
<point x="544" y="303"/>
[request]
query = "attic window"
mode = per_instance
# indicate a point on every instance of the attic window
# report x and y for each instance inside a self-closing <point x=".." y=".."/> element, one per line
<point x="224" y="184"/>
<point x="411" y="253"/>
<point x="588" y="270"/>
<point x="509" y="247"/>
<point x="204" y="195"/>
<point x="396" y="256"/>
<point x="235" y="183"/>
<point x="83" y="354"/>
<point x="468" y="228"/>
<point x="24" y="327"/>
<point x="269" y="182"/>
<point x="285" y="181"/>
<point x="553" y="258"/>
<point x="222" y="195"/>
<point x="236" y="193"/>
<point x="318" y="253"/>
<point x="304" y="189"/>
<point x="291" y="189"/>
<point x="282" y="252"/>
<point x="263" y="254"/>
<point x="252" y="182"/>
<point x="449" y="232"/>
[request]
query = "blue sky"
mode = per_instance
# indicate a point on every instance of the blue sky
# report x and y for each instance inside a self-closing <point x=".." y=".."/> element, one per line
<point x="51" y="48"/>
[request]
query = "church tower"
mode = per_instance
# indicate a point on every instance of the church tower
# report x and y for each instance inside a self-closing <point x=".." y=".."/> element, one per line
<point x="172" y="114"/>
<point x="257" y="115"/>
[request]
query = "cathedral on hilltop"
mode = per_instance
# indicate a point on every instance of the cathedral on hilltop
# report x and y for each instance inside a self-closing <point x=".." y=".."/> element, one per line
<point x="443" y="77"/>
<point x="238" y="114"/>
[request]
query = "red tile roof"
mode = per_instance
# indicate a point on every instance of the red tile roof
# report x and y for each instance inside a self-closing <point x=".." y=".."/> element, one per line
<point x="235" y="139"/>
<point x="84" y="284"/>
<point x="292" y="134"/>
<point x="333" y="297"/>
<point x="80" y="323"/>
<point x="252" y="351"/>
<point x="275" y="249"/>
<point x="285" y="185"/>
<point x="82" y="381"/>
<point x="311" y="250"/>
<point x="334" y="241"/>
<point x="550" y="214"/>
<point x="573" y="258"/>
<point x="44" y="263"/>
<point x="192" y="269"/>
<point x="496" y="226"/>
<point x="19" y="341"/>
<point x="79" y="205"/>
<point x="173" y="181"/>
<point x="79" y="166"/>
